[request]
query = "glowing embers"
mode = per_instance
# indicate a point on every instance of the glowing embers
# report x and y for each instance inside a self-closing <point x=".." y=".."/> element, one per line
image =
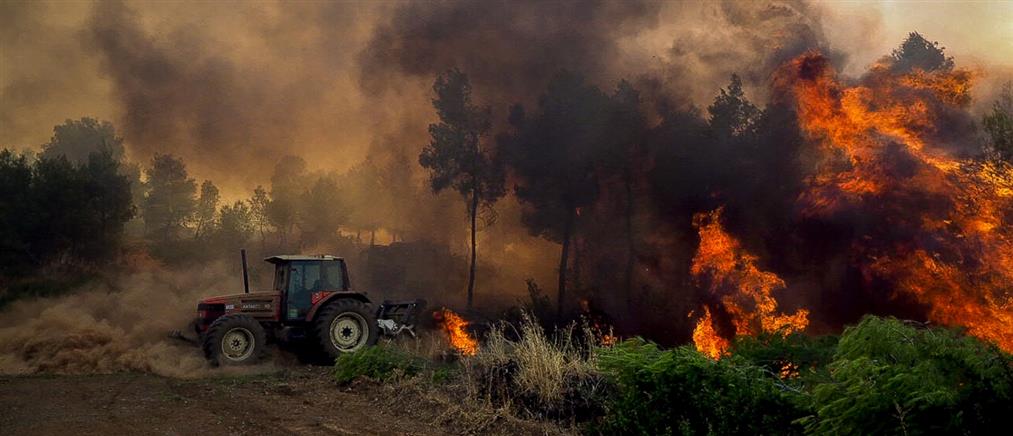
<point x="454" y="326"/>
<point x="742" y="290"/>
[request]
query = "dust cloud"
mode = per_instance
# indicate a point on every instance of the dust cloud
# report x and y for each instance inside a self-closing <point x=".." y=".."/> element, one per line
<point x="111" y="327"/>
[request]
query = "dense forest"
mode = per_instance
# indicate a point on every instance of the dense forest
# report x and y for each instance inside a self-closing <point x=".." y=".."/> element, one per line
<point x="612" y="180"/>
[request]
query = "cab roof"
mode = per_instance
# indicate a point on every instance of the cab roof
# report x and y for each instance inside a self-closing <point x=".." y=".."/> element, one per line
<point x="284" y="258"/>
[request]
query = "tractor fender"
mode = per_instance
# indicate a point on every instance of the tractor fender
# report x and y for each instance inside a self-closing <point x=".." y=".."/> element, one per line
<point x="358" y="296"/>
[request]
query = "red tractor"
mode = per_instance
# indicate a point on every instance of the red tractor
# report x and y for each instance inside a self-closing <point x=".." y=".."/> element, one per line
<point x="311" y="301"/>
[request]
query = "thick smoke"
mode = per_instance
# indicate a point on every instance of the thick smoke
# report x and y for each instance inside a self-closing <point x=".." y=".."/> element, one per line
<point x="679" y="51"/>
<point x="237" y="93"/>
<point x="45" y="76"/>
<point x="751" y="39"/>
<point x="237" y="86"/>
<point x="508" y="49"/>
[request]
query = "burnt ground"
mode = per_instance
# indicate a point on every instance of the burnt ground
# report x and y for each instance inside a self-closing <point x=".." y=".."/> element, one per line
<point x="292" y="401"/>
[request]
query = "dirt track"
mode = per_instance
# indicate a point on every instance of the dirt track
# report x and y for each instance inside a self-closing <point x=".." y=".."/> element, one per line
<point x="304" y="402"/>
<point x="296" y="401"/>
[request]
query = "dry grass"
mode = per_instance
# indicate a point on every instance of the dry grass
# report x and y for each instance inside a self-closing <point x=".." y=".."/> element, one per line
<point x="534" y="375"/>
<point x="519" y="373"/>
<point x="452" y="399"/>
<point x="430" y="345"/>
<point x="543" y="365"/>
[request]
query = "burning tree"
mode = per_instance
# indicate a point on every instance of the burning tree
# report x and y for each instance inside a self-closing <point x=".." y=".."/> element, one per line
<point x="456" y="157"/>
<point x="933" y="223"/>
<point x="739" y="291"/>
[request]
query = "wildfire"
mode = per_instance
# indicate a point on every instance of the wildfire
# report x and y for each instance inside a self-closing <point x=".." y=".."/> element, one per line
<point x="454" y="326"/>
<point x="939" y="230"/>
<point x="706" y="337"/>
<point x="606" y="338"/>
<point x="729" y="272"/>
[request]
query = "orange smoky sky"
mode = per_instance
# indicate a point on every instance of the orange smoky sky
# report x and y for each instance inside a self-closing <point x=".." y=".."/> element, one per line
<point x="233" y="86"/>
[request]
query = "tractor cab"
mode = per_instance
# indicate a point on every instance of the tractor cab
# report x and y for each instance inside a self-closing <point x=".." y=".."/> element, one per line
<point x="303" y="281"/>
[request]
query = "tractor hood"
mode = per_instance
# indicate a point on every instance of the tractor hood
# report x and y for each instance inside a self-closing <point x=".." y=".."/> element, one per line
<point x="240" y="297"/>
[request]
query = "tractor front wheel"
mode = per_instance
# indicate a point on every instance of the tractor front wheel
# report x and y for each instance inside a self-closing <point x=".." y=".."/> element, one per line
<point x="234" y="340"/>
<point x="346" y="325"/>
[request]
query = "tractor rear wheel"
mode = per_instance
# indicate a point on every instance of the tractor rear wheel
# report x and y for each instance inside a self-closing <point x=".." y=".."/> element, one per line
<point x="234" y="340"/>
<point x="346" y="325"/>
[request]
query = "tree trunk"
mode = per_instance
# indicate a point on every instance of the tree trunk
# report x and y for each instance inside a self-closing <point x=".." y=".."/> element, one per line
<point x="563" y="260"/>
<point x="165" y="232"/>
<point x="263" y="241"/>
<point x="473" y="211"/>
<point x="578" y="249"/>
<point x="630" y="254"/>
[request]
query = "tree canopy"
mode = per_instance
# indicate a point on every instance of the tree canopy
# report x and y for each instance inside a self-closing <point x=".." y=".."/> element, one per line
<point x="455" y="156"/>
<point x="170" y="202"/>
<point x="78" y="139"/>
<point x="52" y="210"/>
<point x="998" y="124"/>
<point x="916" y="52"/>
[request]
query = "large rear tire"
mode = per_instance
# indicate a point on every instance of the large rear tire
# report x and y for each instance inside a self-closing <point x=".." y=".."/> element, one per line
<point x="234" y="340"/>
<point x="346" y="325"/>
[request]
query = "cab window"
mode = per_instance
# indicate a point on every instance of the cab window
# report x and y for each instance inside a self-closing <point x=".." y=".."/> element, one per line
<point x="303" y="278"/>
<point x="280" y="277"/>
<point x="333" y="276"/>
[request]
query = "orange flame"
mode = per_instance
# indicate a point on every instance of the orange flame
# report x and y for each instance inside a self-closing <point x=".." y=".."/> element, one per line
<point x="788" y="370"/>
<point x="706" y="338"/>
<point x="956" y="255"/>
<point x="728" y="271"/>
<point x="604" y="336"/>
<point x="454" y="326"/>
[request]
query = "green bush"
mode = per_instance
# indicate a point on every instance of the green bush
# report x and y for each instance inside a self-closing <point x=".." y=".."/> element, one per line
<point x="807" y="355"/>
<point x="891" y="377"/>
<point x="882" y="376"/>
<point x="681" y="391"/>
<point x="377" y="363"/>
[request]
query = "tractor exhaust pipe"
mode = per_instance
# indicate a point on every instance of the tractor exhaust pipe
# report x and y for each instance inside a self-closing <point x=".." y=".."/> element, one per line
<point x="246" y="275"/>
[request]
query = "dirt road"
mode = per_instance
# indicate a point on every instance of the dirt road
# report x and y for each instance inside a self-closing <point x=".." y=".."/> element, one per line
<point x="294" y="401"/>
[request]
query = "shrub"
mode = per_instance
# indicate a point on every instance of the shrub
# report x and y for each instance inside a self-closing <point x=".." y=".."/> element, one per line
<point x="377" y="363"/>
<point x="891" y="377"/>
<point x="681" y="391"/>
<point x="798" y="358"/>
